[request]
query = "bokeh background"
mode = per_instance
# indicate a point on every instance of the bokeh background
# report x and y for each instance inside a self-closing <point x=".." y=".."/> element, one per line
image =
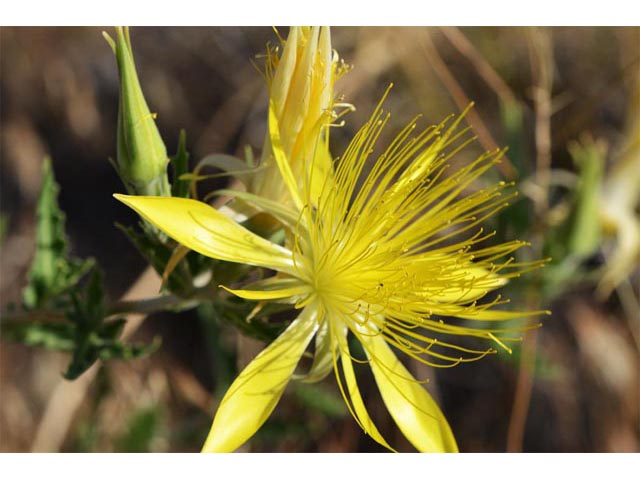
<point x="571" y="386"/>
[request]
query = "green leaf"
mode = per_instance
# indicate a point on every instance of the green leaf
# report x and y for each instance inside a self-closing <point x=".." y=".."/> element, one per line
<point x="89" y="303"/>
<point x="180" y="164"/>
<point x="515" y="220"/>
<point x="37" y="334"/>
<point x="589" y="157"/>
<point x="4" y="226"/>
<point x="158" y="253"/>
<point x="64" y="310"/>
<point x="94" y="338"/>
<point x="52" y="270"/>
<point x="235" y="311"/>
<point x="315" y="397"/>
<point x="101" y="345"/>
<point x="120" y="351"/>
<point x="573" y="241"/>
<point x="142" y="427"/>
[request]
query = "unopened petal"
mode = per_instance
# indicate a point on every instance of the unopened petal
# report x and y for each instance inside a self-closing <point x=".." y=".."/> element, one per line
<point x="255" y="393"/>
<point x="281" y="158"/>
<point x="284" y="73"/>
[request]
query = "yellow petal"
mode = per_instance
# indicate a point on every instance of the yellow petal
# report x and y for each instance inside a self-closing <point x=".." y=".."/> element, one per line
<point x="203" y="229"/>
<point x="326" y="77"/>
<point x="321" y="178"/>
<point x="279" y="210"/>
<point x="272" y="289"/>
<point x="281" y="157"/>
<point x="298" y="100"/>
<point x="445" y="280"/>
<point x="284" y="73"/>
<point x="413" y="409"/>
<point x="255" y="393"/>
<point x="496" y="315"/>
<point x="322" y="356"/>
<point x="359" y="410"/>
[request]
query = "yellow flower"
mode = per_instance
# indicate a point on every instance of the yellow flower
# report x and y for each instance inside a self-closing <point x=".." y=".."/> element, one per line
<point x="301" y="82"/>
<point x="388" y="262"/>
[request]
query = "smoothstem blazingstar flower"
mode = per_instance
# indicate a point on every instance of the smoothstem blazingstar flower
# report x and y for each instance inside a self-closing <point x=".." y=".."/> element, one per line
<point x="384" y="256"/>
<point x="301" y="88"/>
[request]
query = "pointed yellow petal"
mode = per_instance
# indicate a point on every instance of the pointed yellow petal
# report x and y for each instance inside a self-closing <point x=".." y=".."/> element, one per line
<point x="495" y="315"/>
<point x="475" y="283"/>
<point x="325" y="54"/>
<point x="203" y="229"/>
<point x="359" y="410"/>
<point x="255" y="393"/>
<point x="281" y="157"/>
<point x="321" y="178"/>
<point x="298" y="101"/>
<point x="446" y="281"/>
<point x="280" y="211"/>
<point x="322" y="356"/>
<point x="272" y="289"/>
<point x="413" y="409"/>
<point x="284" y="73"/>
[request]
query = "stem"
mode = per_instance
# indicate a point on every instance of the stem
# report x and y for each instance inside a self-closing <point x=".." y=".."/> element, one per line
<point x="150" y="305"/>
<point x="522" y="398"/>
<point x="161" y="303"/>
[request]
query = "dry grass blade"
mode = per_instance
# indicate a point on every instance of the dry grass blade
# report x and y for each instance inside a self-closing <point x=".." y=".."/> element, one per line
<point x="462" y="101"/>
<point x="541" y="57"/>
<point x="482" y="66"/>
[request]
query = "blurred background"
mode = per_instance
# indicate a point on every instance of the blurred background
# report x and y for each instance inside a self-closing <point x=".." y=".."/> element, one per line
<point x="565" y="101"/>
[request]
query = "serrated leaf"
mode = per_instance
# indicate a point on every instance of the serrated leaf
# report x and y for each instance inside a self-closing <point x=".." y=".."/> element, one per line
<point x="113" y="328"/>
<point x="95" y="298"/>
<point x="89" y="309"/>
<point x="94" y="337"/>
<point x="52" y="271"/>
<point x="103" y="344"/>
<point x="65" y="312"/>
<point x="121" y="351"/>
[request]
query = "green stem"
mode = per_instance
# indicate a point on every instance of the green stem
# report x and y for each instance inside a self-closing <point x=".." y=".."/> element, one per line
<point x="161" y="303"/>
<point x="151" y="305"/>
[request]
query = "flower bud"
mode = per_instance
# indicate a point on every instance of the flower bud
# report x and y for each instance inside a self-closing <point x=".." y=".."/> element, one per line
<point x="142" y="156"/>
<point x="301" y="80"/>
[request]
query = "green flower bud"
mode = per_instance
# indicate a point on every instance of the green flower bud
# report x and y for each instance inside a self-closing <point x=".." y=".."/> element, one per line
<point x="142" y="156"/>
